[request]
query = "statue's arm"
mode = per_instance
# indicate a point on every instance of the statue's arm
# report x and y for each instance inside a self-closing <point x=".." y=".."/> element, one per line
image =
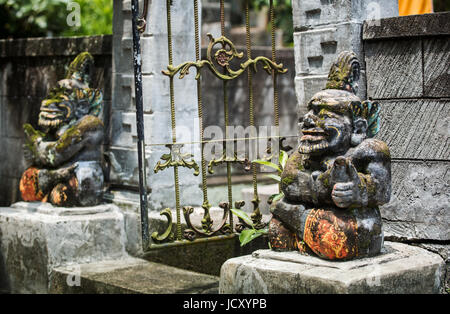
<point x="31" y="146"/>
<point x="301" y="185"/>
<point x="370" y="185"/>
<point x="88" y="131"/>
<point x="377" y="183"/>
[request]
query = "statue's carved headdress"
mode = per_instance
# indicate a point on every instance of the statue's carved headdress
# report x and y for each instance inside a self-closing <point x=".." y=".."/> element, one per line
<point x="368" y="111"/>
<point x="81" y="68"/>
<point x="344" y="73"/>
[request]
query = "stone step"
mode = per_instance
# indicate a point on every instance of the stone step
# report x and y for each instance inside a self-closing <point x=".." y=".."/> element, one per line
<point x="129" y="276"/>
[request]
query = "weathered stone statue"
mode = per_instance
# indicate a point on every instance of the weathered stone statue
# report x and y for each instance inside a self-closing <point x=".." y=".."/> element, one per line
<point x="335" y="181"/>
<point x="66" y="154"/>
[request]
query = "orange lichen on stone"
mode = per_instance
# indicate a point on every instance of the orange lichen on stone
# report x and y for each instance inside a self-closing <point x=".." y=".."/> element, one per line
<point x="62" y="193"/>
<point x="331" y="236"/>
<point x="29" y="186"/>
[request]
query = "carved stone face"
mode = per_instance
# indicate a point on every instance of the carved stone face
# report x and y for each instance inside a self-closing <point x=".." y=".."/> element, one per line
<point x="55" y="112"/>
<point x="327" y="127"/>
<point x="70" y="101"/>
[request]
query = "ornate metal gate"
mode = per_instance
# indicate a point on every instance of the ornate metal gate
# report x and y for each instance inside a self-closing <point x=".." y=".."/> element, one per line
<point x="218" y="62"/>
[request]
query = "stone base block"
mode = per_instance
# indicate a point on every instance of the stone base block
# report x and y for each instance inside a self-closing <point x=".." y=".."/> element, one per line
<point x="35" y="238"/>
<point x="400" y="268"/>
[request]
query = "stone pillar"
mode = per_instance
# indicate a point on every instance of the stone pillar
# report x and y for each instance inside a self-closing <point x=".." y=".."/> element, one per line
<point x="123" y="151"/>
<point x="211" y="19"/>
<point x="324" y="28"/>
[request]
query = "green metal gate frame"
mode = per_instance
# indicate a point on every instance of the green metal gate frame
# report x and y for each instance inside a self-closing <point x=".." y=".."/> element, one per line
<point x="218" y="63"/>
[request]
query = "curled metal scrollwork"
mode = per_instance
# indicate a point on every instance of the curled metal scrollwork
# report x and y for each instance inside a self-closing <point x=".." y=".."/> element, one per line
<point x="176" y="159"/>
<point x="256" y="216"/>
<point x="241" y="225"/>
<point x="224" y="159"/>
<point x="222" y="57"/>
<point x="167" y="234"/>
<point x="207" y="223"/>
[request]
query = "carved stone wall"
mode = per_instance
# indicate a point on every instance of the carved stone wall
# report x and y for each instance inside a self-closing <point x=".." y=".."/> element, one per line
<point x="407" y="61"/>
<point x="28" y="68"/>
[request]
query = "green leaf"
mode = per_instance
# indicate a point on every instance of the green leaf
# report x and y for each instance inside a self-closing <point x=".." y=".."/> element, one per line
<point x="277" y="197"/>
<point x="249" y="235"/>
<point x="243" y="215"/>
<point x="274" y="176"/>
<point x="283" y="158"/>
<point x="267" y="163"/>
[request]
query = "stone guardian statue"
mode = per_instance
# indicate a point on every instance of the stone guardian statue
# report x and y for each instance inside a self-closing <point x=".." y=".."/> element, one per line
<point x="66" y="153"/>
<point x="335" y="181"/>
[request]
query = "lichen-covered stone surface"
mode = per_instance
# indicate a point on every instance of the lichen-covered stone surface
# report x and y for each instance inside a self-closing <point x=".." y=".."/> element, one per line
<point x="398" y="269"/>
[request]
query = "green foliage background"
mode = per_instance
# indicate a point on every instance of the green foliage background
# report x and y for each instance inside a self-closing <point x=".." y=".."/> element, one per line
<point x="34" y="18"/>
<point x="283" y="17"/>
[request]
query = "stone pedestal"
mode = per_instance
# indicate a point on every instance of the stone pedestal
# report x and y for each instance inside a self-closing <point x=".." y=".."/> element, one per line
<point x="37" y="237"/>
<point x="399" y="269"/>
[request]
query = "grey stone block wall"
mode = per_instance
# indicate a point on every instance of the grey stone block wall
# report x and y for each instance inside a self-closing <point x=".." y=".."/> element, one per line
<point x="324" y="28"/>
<point x="407" y="61"/>
<point x="28" y="68"/>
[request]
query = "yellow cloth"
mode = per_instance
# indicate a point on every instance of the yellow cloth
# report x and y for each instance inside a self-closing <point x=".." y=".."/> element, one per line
<point x="411" y="7"/>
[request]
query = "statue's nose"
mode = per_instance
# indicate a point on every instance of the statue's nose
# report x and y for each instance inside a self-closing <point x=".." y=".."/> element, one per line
<point x="309" y="121"/>
<point x="49" y="105"/>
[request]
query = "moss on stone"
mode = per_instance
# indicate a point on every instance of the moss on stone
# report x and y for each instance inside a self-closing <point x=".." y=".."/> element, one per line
<point x="75" y="133"/>
<point x="325" y="180"/>
<point x="72" y="135"/>
<point x="80" y="67"/>
<point x="287" y="180"/>
<point x="32" y="134"/>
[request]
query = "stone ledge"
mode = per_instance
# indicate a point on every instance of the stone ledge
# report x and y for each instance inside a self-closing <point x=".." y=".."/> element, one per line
<point x="56" y="46"/>
<point x="399" y="269"/>
<point x="49" y="209"/>
<point x="130" y="275"/>
<point x="435" y="24"/>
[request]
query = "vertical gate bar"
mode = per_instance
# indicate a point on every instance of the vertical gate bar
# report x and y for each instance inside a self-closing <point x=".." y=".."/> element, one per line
<point x="274" y="74"/>
<point x="137" y="58"/>
<point x="206" y="222"/>
<point x="226" y="116"/>
<point x="274" y="78"/>
<point x="173" y="118"/>
<point x="256" y="215"/>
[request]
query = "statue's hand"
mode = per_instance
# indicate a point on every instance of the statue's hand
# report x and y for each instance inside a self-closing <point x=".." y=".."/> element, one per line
<point x="32" y="136"/>
<point x="30" y="133"/>
<point x="28" y="154"/>
<point x="346" y="182"/>
<point x="343" y="194"/>
<point x="32" y="139"/>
